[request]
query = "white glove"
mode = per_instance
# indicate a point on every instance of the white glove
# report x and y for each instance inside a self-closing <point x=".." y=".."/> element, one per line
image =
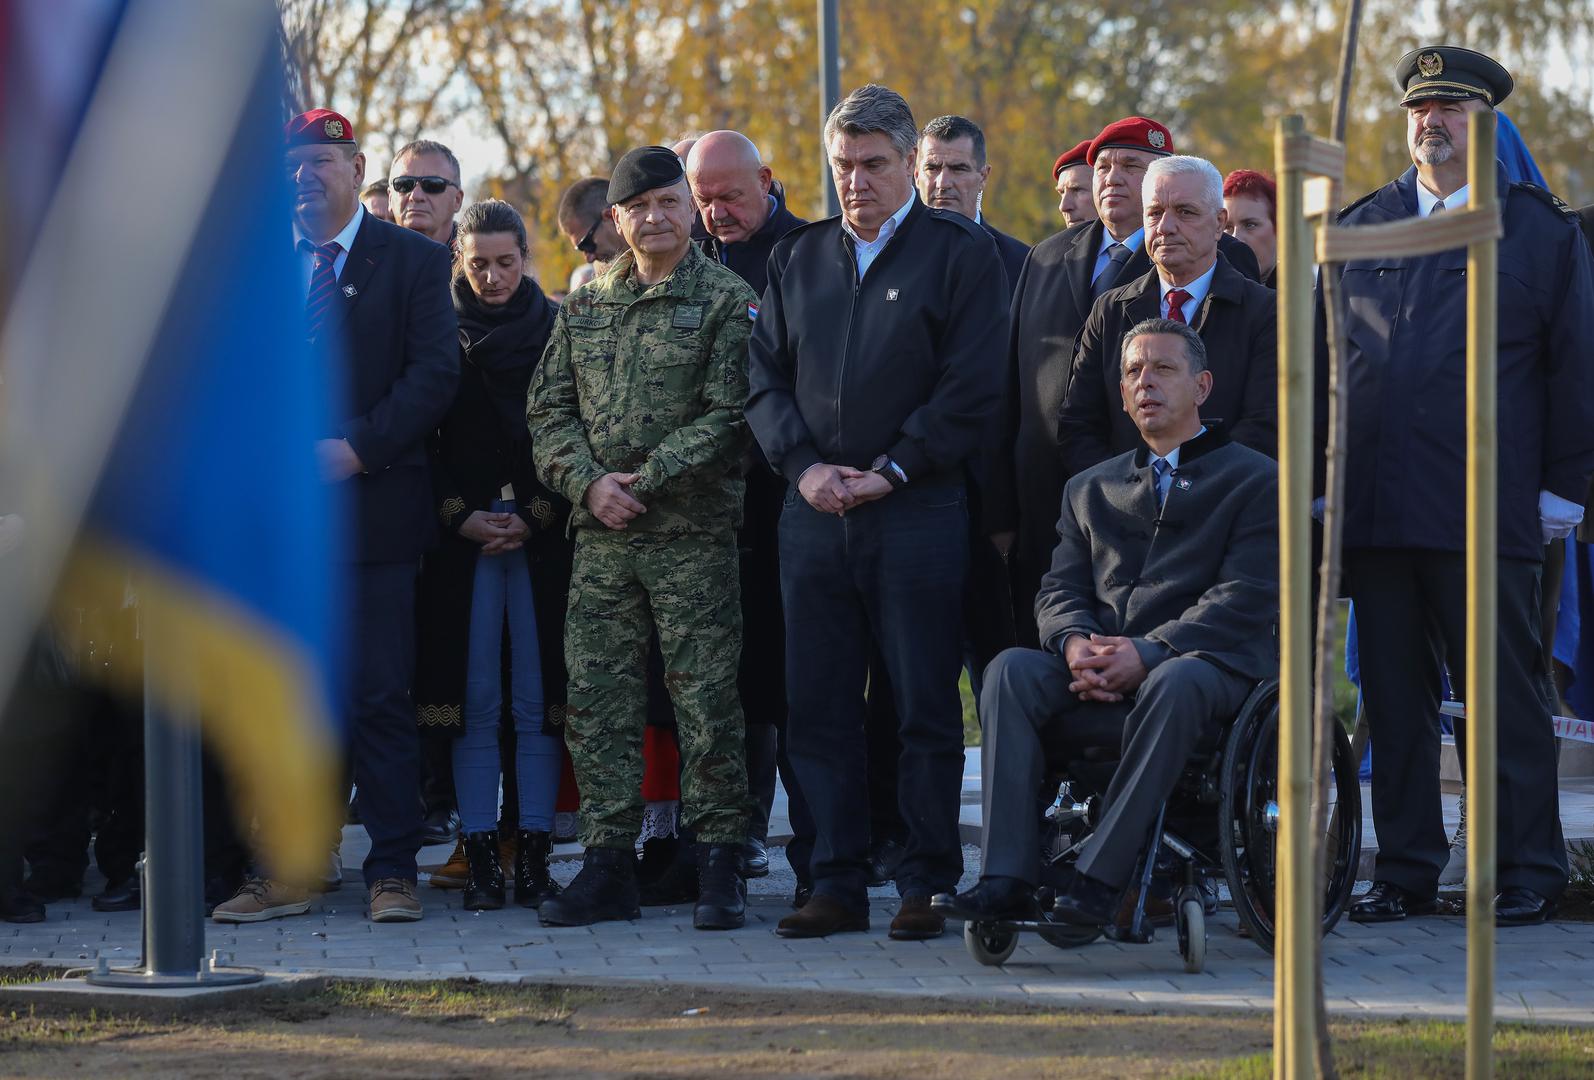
<point x="1557" y="516"/>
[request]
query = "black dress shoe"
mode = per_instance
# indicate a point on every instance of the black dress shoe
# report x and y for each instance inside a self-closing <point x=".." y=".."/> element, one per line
<point x="1516" y="906"/>
<point x="755" y="858"/>
<point x="1388" y="902"/>
<point x="884" y="858"/>
<point x="992" y="899"/>
<point x="17" y="905"/>
<point x="120" y="895"/>
<point x="1087" y="902"/>
<point x="440" y="827"/>
<point x="800" y="898"/>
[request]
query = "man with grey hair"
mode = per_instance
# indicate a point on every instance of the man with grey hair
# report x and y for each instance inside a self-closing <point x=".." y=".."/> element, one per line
<point x="424" y="185"/>
<point x="951" y="174"/>
<point x="875" y="363"/>
<point x="1190" y="282"/>
<point x="1155" y="624"/>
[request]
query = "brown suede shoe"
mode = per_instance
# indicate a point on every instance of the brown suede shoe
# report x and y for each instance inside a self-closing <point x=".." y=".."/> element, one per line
<point x="822" y="916"/>
<point x="915" y="921"/>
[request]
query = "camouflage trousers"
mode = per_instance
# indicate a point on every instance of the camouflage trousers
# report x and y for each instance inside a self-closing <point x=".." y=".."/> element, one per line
<point x="625" y="585"/>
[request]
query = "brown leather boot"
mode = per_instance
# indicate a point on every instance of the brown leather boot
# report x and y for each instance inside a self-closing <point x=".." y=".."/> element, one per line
<point x="915" y="920"/>
<point x="822" y="916"/>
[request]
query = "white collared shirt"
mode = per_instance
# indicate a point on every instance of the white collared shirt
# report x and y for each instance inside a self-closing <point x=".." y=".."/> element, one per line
<point x="1197" y="289"/>
<point x="1427" y="200"/>
<point x="869" y="250"/>
<point x="1132" y="242"/>
<point x="344" y="240"/>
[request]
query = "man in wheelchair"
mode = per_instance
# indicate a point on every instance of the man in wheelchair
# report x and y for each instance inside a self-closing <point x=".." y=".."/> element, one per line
<point x="1156" y="617"/>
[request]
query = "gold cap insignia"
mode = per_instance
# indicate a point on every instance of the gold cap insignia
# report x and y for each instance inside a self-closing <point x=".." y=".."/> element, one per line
<point x="333" y="128"/>
<point x="1157" y="139"/>
<point x="1430" y="64"/>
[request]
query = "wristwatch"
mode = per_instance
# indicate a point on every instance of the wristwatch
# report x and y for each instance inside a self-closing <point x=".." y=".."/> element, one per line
<point x="890" y="470"/>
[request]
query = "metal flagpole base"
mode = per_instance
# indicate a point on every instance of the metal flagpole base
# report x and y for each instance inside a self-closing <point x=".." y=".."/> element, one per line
<point x="214" y="973"/>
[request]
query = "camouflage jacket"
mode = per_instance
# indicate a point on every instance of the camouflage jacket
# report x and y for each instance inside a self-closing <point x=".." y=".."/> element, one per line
<point x="650" y="380"/>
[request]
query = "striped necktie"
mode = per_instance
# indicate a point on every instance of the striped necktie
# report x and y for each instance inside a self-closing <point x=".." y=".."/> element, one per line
<point x="1161" y="471"/>
<point x="323" y="286"/>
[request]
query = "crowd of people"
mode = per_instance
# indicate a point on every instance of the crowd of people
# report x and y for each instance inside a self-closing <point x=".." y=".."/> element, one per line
<point x="753" y="496"/>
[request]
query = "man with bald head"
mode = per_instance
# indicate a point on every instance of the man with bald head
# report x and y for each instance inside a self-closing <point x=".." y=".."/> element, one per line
<point x="744" y="214"/>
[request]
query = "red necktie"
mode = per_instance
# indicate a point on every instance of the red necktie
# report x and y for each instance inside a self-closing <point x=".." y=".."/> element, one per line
<point x="323" y="286"/>
<point x="1176" y="302"/>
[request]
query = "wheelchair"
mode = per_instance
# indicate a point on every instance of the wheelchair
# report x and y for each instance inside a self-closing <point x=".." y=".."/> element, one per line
<point x="1219" y="826"/>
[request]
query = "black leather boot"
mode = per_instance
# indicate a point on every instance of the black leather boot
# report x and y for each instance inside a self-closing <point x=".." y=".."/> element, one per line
<point x="721" y="890"/>
<point x="533" y="885"/>
<point x="605" y="889"/>
<point x="484" y="879"/>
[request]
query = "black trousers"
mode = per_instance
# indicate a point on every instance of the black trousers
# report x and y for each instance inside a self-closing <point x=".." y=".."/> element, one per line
<point x="1026" y="707"/>
<point x="889" y="572"/>
<point x="382" y="742"/>
<point x="1411" y="609"/>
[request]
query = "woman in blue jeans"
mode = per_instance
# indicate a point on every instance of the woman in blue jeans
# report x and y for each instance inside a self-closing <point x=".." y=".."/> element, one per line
<point x="493" y="593"/>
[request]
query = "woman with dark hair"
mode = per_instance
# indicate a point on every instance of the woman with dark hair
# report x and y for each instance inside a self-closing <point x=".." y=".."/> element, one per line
<point x="493" y="594"/>
<point x="1251" y="198"/>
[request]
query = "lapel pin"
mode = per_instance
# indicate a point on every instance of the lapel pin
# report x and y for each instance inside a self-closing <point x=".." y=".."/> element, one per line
<point x="350" y="291"/>
<point x="1182" y="483"/>
<point x="891" y="294"/>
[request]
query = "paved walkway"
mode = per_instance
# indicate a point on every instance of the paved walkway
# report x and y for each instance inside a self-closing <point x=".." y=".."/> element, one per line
<point x="1418" y="968"/>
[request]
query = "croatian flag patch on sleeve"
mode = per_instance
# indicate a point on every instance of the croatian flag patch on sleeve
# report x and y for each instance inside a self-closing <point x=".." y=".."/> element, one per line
<point x="752" y="312"/>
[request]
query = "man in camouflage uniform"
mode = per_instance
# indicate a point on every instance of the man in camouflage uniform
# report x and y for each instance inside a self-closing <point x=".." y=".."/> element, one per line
<point x="636" y="417"/>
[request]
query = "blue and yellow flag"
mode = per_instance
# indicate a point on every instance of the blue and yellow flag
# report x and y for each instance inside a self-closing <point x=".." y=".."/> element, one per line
<point x="161" y="405"/>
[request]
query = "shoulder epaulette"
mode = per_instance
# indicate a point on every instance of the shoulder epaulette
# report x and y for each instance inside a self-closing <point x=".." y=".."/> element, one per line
<point x="1547" y="196"/>
<point x="952" y="216"/>
<point x="1352" y="206"/>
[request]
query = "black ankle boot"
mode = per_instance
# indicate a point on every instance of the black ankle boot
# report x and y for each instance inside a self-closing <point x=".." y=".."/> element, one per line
<point x="605" y="889"/>
<point x="532" y="883"/>
<point x="484" y="878"/>
<point x="722" y="892"/>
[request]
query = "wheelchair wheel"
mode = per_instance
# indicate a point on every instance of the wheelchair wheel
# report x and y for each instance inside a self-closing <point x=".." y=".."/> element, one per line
<point x="987" y="944"/>
<point x="1248" y="818"/>
<point x="1191" y="922"/>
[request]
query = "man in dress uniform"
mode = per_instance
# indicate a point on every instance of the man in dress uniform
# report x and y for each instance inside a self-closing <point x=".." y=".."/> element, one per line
<point x="378" y="301"/>
<point x="1190" y="282"/>
<point x="873" y="374"/>
<point x="636" y="418"/>
<point x="1405" y="489"/>
<point x="745" y="212"/>
<point x="1071" y="174"/>
<point x="1061" y="280"/>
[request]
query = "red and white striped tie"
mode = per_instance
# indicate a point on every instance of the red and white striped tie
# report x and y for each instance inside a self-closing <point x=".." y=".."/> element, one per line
<point x="323" y="286"/>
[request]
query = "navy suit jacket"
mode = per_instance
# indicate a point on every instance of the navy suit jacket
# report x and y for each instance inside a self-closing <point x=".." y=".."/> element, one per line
<point x="398" y="338"/>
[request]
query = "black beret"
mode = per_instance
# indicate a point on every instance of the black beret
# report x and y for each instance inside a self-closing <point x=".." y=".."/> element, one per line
<point x="1446" y="71"/>
<point x="643" y="169"/>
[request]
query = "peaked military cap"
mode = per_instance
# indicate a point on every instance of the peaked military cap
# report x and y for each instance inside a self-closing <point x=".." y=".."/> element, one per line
<point x="643" y="169"/>
<point x="319" y="126"/>
<point x="1447" y="71"/>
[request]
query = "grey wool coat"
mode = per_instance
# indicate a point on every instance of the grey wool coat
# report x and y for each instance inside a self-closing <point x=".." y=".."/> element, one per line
<point x="1199" y="577"/>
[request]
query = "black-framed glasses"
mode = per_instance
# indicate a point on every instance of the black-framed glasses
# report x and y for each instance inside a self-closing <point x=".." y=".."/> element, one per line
<point x="432" y="185"/>
<point x="587" y="245"/>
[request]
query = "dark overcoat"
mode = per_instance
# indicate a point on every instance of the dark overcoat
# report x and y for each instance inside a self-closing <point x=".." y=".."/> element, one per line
<point x="1238" y="323"/>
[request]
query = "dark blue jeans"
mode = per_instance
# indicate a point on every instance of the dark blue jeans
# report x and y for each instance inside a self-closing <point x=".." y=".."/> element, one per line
<point x="890" y="572"/>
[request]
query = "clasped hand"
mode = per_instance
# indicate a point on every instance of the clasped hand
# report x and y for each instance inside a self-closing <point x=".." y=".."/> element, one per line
<point x="1105" y="668"/>
<point x="496" y="533"/>
<point x="610" y="500"/>
<point x="835" y="489"/>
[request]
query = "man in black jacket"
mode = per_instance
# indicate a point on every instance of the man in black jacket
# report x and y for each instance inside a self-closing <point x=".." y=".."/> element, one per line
<point x="1060" y="282"/>
<point x="1190" y="282"/>
<point x="1155" y="620"/>
<point x="874" y="370"/>
<point x="951" y="174"/>
<point x="378" y="302"/>
<point x="744" y="211"/>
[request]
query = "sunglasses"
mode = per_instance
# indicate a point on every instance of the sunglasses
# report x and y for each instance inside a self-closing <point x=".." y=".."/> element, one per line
<point x="432" y="185"/>
<point x="587" y="245"/>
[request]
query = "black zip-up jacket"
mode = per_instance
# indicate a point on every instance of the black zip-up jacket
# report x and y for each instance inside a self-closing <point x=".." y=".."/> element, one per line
<point x="906" y="362"/>
<point x="749" y="258"/>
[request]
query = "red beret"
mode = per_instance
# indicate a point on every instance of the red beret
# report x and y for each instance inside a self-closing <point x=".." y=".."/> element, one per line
<point x="1132" y="133"/>
<point x="319" y="126"/>
<point x="1076" y="156"/>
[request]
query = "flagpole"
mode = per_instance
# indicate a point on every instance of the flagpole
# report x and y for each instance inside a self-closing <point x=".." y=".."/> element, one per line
<point x="829" y="94"/>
